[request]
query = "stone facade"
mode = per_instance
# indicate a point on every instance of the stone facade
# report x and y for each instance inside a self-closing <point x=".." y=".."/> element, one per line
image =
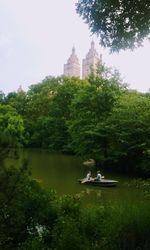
<point x="91" y="61"/>
<point x="72" y="67"/>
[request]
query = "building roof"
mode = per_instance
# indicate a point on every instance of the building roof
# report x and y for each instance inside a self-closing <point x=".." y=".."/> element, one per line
<point x="73" y="57"/>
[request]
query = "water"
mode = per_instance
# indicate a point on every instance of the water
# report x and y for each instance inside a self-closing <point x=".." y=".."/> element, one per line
<point x="62" y="172"/>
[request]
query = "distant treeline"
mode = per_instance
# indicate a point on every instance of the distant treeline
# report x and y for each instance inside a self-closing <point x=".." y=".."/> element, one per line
<point x="96" y="118"/>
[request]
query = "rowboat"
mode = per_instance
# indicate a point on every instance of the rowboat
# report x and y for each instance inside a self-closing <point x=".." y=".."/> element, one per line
<point x="102" y="183"/>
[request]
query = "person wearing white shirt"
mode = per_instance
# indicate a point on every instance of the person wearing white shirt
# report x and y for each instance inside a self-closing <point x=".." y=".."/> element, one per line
<point x="98" y="177"/>
<point x="88" y="177"/>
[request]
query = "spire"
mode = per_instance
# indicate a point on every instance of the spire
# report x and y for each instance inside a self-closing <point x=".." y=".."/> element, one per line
<point x="20" y="90"/>
<point x="72" y="67"/>
<point x="73" y="50"/>
<point x="92" y="45"/>
<point x="90" y="62"/>
<point x="73" y="57"/>
<point x="92" y="51"/>
<point x="101" y="58"/>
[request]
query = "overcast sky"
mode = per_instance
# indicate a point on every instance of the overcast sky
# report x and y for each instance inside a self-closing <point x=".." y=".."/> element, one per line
<point x="36" y="38"/>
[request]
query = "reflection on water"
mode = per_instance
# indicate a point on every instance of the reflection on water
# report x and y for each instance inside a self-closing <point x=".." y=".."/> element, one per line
<point x="61" y="172"/>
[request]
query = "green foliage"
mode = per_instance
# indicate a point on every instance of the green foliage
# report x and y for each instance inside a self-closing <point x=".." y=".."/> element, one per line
<point x="48" y="109"/>
<point x="17" y="101"/>
<point x="2" y="96"/>
<point x="89" y="110"/>
<point x="104" y="227"/>
<point x="118" y="24"/>
<point x="24" y="207"/>
<point x="39" y="101"/>
<point x="60" y="114"/>
<point x="67" y="235"/>
<point x="93" y="224"/>
<point x="11" y="126"/>
<point x="129" y="133"/>
<point x="97" y="118"/>
<point x="69" y="205"/>
<point x="32" y="218"/>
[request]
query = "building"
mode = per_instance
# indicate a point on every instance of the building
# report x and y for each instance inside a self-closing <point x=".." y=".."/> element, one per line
<point x="72" y="67"/>
<point x="91" y="61"/>
<point x="89" y="64"/>
<point x="20" y="90"/>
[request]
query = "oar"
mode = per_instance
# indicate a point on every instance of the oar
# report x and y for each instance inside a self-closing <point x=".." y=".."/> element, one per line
<point x="83" y="181"/>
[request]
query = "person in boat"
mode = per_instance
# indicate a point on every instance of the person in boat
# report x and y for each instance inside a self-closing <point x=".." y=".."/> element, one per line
<point x="88" y="177"/>
<point x="98" y="177"/>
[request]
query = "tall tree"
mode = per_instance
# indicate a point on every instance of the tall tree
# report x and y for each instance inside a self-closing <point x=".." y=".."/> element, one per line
<point x="11" y="130"/>
<point x="129" y="133"/>
<point x="89" y="111"/>
<point x="39" y="99"/>
<point x="119" y="24"/>
<point x="56" y="122"/>
<point x="17" y="100"/>
<point x="11" y="125"/>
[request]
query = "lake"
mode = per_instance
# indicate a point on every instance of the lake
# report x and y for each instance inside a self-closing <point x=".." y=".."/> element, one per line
<point x="61" y="172"/>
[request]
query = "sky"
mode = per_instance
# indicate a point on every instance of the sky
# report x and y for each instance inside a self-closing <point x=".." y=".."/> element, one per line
<point x="36" y="39"/>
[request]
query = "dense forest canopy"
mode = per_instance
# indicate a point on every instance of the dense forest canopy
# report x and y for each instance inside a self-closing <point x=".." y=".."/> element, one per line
<point x="96" y="118"/>
<point x="119" y="24"/>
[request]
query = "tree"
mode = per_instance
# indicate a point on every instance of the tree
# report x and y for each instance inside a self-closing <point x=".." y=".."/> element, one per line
<point x="39" y="99"/>
<point x="25" y="208"/>
<point x="119" y="24"/>
<point x="17" y="100"/>
<point x="48" y="109"/>
<point x="59" y="138"/>
<point x="129" y="133"/>
<point x="11" y="127"/>
<point x="2" y="96"/>
<point x="89" y="111"/>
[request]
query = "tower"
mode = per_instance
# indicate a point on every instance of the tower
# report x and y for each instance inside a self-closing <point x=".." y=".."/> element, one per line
<point x="20" y="90"/>
<point x="72" y="67"/>
<point x="91" y="61"/>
